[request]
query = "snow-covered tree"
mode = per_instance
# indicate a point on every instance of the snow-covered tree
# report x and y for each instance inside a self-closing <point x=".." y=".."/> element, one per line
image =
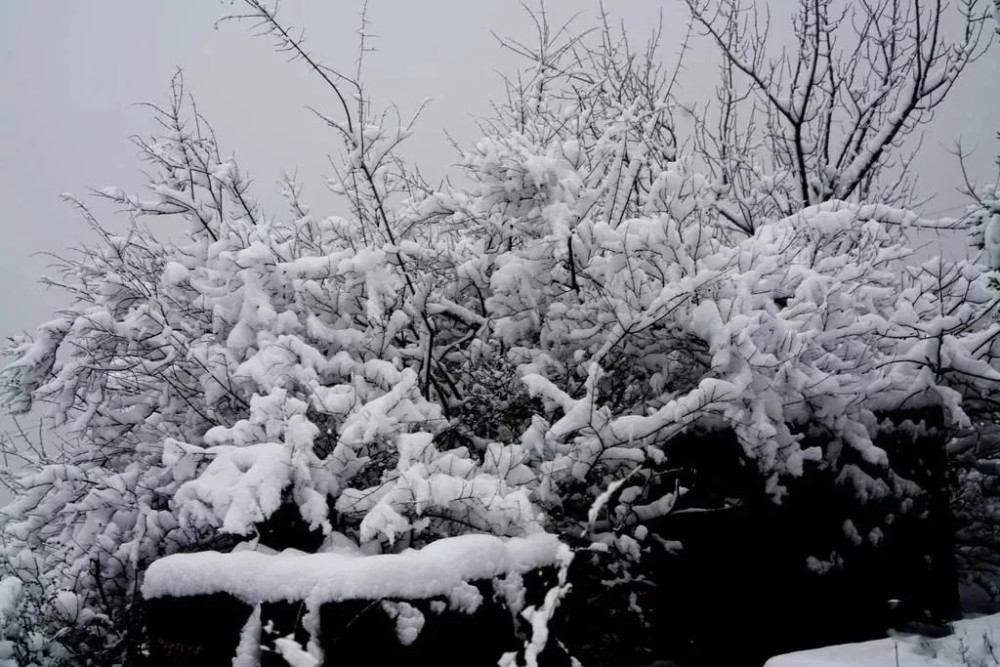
<point x="824" y="114"/>
<point x="976" y="451"/>
<point x="512" y="356"/>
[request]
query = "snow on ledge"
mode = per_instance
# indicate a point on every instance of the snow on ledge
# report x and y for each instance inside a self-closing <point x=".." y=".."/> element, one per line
<point x="976" y="642"/>
<point x="438" y="569"/>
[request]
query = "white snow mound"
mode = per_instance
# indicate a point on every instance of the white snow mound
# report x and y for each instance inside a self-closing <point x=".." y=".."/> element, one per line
<point x="438" y="569"/>
<point x="974" y="643"/>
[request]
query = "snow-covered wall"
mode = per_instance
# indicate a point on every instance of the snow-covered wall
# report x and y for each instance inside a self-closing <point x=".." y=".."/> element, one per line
<point x="472" y="599"/>
<point x="441" y="568"/>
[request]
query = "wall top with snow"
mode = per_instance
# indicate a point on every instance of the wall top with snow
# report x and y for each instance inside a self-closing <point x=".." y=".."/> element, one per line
<point x="440" y="569"/>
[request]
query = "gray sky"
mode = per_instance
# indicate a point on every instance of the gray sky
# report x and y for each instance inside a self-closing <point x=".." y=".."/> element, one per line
<point x="71" y="73"/>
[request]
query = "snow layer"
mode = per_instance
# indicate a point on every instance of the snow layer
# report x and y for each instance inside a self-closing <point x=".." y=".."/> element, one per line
<point x="975" y="642"/>
<point x="440" y="568"/>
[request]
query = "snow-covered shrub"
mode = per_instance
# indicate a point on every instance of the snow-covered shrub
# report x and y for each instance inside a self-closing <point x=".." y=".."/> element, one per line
<point x="511" y="357"/>
<point x="12" y="619"/>
<point x="977" y="503"/>
<point x="975" y="452"/>
<point x="118" y="373"/>
<point x="984" y="224"/>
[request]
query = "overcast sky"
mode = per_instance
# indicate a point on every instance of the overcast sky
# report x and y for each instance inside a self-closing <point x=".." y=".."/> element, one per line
<point x="72" y="71"/>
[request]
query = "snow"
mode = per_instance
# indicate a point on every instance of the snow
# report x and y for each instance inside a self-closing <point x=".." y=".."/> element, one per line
<point x="248" y="649"/>
<point x="10" y="592"/>
<point x="293" y="654"/>
<point x="409" y="620"/>
<point x="174" y="273"/>
<point x="974" y="643"/>
<point x="442" y="568"/>
<point x="265" y="362"/>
